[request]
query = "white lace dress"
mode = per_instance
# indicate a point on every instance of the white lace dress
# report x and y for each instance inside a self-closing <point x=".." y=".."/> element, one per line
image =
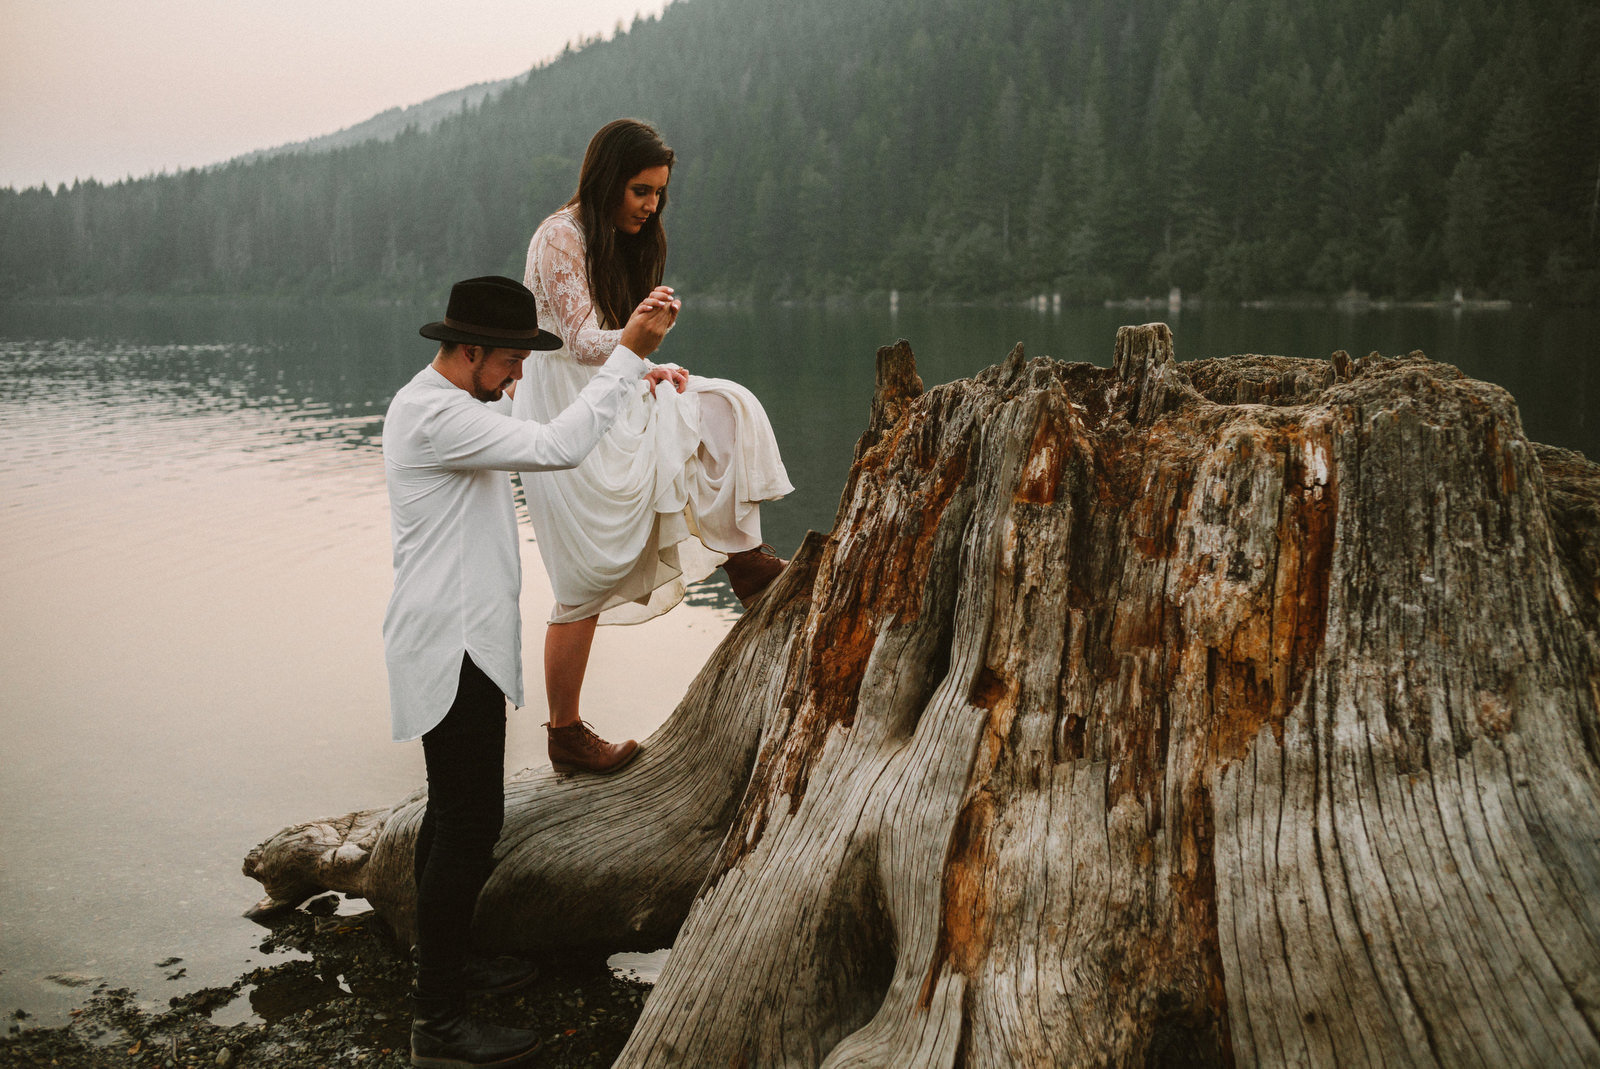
<point x="672" y="487"/>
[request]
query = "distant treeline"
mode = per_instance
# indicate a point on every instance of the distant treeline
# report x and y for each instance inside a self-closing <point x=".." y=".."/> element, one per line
<point x="962" y="149"/>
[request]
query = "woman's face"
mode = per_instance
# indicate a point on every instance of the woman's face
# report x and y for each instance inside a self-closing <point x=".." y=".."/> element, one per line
<point x="641" y="198"/>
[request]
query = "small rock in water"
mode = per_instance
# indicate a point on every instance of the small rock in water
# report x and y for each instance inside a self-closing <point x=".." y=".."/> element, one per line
<point x="224" y="1058"/>
<point x="168" y="963"/>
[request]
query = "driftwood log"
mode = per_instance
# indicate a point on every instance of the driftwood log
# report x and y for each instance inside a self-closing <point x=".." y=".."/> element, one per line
<point x="1244" y="711"/>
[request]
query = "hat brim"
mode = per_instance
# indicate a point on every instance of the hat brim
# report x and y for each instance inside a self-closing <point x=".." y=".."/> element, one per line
<point x="543" y="341"/>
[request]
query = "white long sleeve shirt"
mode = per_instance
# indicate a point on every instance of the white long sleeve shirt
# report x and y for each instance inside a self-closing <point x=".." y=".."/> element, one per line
<point x="457" y="570"/>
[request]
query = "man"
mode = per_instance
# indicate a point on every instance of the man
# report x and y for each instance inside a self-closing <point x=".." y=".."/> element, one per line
<point x="453" y="631"/>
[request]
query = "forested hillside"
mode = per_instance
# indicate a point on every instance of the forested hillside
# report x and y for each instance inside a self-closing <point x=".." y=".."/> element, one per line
<point x="962" y="149"/>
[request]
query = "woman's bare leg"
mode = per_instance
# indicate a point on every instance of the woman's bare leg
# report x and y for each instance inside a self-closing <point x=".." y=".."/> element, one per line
<point x="572" y="746"/>
<point x="566" y="659"/>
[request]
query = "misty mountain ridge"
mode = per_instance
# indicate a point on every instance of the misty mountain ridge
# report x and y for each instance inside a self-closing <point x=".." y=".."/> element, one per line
<point x="389" y="123"/>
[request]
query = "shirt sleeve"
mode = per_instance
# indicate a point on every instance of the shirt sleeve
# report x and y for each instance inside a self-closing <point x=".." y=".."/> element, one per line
<point x="474" y="436"/>
<point x="557" y="257"/>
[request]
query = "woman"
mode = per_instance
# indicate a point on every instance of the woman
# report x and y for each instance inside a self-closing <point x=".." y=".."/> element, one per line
<point x="674" y="486"/>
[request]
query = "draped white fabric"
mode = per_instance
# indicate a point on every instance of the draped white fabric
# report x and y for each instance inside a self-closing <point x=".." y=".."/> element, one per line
<point x="673" y="486"/>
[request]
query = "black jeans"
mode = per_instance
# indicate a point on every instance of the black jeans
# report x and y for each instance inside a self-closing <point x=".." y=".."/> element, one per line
<point x="465" y="756"/>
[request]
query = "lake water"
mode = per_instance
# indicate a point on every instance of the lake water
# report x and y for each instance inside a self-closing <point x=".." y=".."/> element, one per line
<point x="194" y="561"/>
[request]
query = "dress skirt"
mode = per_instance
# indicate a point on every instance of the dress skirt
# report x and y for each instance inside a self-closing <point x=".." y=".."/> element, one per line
<point x="673" y="487"/>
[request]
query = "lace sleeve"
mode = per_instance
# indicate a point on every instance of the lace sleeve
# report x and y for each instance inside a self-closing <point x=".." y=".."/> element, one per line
<point x="556" y="258"/>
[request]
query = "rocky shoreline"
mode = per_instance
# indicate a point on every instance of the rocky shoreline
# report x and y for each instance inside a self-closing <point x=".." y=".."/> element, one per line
<point x="344" y="1006"/>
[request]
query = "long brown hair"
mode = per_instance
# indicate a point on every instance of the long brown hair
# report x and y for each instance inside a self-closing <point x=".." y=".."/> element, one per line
<point x="623" y="268"/>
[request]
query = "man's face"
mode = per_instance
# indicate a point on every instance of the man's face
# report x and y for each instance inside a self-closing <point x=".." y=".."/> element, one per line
<point x="494" y="369"/>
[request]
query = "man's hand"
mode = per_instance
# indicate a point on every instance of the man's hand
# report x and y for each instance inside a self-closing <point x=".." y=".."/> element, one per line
<point x="675" y="375"/>
<point x="651" y="321"/>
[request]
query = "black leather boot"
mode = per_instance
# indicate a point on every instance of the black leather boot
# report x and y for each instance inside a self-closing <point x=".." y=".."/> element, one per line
<point x="444" y="1037"/>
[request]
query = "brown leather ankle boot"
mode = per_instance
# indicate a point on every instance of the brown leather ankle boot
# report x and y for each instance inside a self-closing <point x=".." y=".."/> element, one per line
<point x="751" y="572"/>
<point x="576" y="748"/>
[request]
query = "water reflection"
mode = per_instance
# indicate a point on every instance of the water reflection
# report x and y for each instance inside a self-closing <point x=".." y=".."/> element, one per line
<point x="326" y="373"/>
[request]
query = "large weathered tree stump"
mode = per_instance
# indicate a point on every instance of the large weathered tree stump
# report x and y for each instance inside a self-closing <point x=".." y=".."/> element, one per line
<point x="1243" y="711"/>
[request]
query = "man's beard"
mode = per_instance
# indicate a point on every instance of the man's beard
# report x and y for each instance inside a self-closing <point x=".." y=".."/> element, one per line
<point x="486" y="393"/>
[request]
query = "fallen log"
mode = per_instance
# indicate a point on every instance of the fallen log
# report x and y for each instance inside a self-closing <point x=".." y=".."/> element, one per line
<point x="1237" y="712"/>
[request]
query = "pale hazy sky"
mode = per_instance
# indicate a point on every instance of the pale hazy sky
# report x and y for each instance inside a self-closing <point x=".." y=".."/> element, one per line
<point x="109" y="88"/>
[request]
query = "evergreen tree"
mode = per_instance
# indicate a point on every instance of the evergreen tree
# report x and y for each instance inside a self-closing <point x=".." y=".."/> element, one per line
<point x="967" y="149"/>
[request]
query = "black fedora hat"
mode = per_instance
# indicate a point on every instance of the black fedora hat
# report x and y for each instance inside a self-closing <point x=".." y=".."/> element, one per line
<point x="495" y="311"/>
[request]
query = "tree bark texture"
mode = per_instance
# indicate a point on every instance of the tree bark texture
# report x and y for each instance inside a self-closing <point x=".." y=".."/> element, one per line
<point x="1235" y="712"/>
